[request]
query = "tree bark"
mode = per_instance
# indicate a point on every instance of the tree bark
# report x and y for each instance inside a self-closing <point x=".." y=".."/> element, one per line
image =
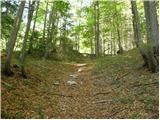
<point x="137" y="33"/>
<point x="45" y="20"/>
<point x="118" y="31"/>
<point x="12" y="40"/>
<point x="48" y="41"/>
<point x="33" y="31"/>
<point x="152" y="35"/>
<point x="96" y="18"/>
<point x="23" y="52"/>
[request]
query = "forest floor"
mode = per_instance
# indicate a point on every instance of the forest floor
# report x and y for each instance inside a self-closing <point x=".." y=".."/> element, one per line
<point x="109" y="87"/>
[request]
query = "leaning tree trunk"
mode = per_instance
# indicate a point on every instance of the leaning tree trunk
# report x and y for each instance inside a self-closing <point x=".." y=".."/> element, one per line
<point x="12" y="40"/>
<point x="33" y="31"/>
<point x="137" y="33"/>
<point x="152" y="35"/>
<point x="22" y="56"/>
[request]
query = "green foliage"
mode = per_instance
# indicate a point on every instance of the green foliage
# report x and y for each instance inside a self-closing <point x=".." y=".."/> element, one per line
<point x="40" y="111"/>
<point x="8" y="11"/>
<point x="8" y="86"/>
<point x="134" y="116"/>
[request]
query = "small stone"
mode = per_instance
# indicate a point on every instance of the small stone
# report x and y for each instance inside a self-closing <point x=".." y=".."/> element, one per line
<point x="79" y="70"/>
<point x="56" y="83"/>
<point x="74" y="75"/>
<point x="71" y="82"/>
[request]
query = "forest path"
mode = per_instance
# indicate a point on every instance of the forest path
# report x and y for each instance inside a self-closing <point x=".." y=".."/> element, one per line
<point x="85" y="95"/>
<point x="111" y="87"/>
<point x="77" y="91"/>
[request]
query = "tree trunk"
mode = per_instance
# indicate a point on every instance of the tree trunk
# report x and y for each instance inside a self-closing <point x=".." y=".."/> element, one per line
<point x="119" y="41"/>
<point x="95" y="27"/>
<point x="13" y="38"/>
<point x="45" y="20"/>
<point x="111" y="43"/>
<point x="23" y="52"/>
<point x="152" y="35"/>
<point x="97" y="40"/>
<point x="118" y="31"/>
<point x="152" y="23"/>
<point x="91" y="40"/>
<point x="47" y="47"/>
<point x="137" y="32"/>
<point x="33" y="31"/>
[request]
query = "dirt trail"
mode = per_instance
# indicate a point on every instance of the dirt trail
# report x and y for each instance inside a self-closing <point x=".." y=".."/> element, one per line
<point x="73" y="91"/>
<point x="85" y="96"/>
<point x="78" y="88"/>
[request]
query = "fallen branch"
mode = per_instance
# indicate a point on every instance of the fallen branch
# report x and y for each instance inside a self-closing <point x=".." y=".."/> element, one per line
<point x="119" y="77"/>
<point x="41" y="66"/>
<point x="101" y="93"/>
<point x="102" y="101"/>
<point x="138" y="85"/>
<point x="114" y="113"/>
<point x="62" y="95"/>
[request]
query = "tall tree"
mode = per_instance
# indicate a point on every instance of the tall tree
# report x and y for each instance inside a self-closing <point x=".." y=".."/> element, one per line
<point x="13" y="38"/>
<point x="45" y="20"/>
<point x="96" y="18"/>
<point x="118" y="31"/>
<point x="152" y="24"/>
<point x="23" y="52"/>
<point x="48" y="41"/>
<point x="33" y="30"/>
<point x="152" y="34"/>
<point x="149" y="60"/>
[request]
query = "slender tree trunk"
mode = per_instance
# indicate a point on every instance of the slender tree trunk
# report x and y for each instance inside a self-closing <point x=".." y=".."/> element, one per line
<point x="96" y="18"/>
<point x="91" y="40"/>
<point x="55" y="32"/>
<point x="114" y="46"/>
<point x="118" y="31"/>
<point x="95" y="27"/>
<point x="119" y="41"/>
<point x="33" y="31"/>
<point x="45" y="20"/>
<point x="47" y="47"/>
<point x="13" y="38"/>
<point x="98" y="38"/>
<point x="108" y="48"/>
<point x="111" y="43"/>
<point x="23" y="52"/>
<point x="126" y="40"/>
<point x="78" y="39"/>
<point x="53" y="27"/>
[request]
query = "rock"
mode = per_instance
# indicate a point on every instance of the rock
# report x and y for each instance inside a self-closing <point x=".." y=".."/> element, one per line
<point x="80" y="65"/>
<point x="71" y="82"/>
<point x="79" y="70"/>
<point x="56" y="82"/>
<point x="74" y="76"/>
